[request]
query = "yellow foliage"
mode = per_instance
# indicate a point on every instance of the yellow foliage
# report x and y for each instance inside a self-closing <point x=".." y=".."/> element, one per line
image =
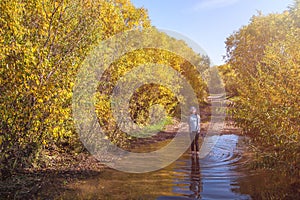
<point x="263" y="70"/>
<point x="42" y="45"/>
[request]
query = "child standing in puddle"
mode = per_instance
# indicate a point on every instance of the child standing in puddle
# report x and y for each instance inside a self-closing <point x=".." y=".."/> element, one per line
<point x="194" y="129"/>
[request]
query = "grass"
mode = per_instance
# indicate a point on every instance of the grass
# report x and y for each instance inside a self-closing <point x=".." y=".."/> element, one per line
<point x="149" y="130"/>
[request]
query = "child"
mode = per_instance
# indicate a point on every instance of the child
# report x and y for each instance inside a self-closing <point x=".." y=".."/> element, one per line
<point x="194" y="129"/>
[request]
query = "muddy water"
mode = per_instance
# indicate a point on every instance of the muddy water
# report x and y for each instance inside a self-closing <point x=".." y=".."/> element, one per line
<point x="214" y="177"/>
<point x="221" y="175"/>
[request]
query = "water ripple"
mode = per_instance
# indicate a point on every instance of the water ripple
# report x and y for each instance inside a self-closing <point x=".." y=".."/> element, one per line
<point x="212" y="177"/>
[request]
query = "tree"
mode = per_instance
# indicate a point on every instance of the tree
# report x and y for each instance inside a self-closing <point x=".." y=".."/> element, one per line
<point x="42" y="45"/>
<point x="264" y="63"/>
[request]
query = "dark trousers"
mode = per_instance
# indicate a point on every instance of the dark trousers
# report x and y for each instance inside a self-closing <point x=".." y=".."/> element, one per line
<point x="195" y="141"/>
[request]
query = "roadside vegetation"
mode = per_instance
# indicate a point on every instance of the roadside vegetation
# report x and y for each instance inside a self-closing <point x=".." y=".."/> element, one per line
<point x="262" y="79"/>
<point x="43" y="43"/>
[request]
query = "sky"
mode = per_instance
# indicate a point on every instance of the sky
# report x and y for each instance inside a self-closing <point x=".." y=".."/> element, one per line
<point x="208" y="22"/>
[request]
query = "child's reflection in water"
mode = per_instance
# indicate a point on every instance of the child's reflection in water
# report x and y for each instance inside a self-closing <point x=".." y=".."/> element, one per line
<point x="195" y="178"/>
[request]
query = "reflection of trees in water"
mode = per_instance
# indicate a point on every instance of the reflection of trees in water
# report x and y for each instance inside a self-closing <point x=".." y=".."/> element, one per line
<point x="269" y="184"/>
<point x="196" y="186"/>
